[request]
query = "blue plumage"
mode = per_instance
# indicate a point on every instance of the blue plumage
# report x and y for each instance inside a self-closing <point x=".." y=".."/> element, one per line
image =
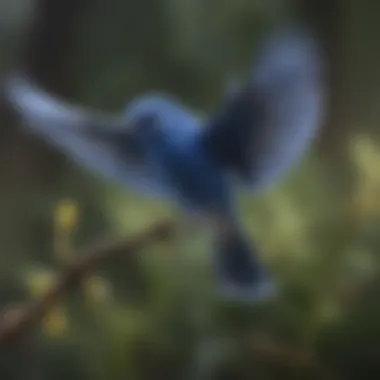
<point x="158" y="145"/>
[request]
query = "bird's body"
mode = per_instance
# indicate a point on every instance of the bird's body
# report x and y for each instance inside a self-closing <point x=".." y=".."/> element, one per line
<point x="159" y="145"/>
<point x="171" y="138"/>
<point x="198" y="181"/>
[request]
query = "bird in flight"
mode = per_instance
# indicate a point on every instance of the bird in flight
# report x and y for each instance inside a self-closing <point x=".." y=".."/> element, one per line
<point x="158" y="146"/>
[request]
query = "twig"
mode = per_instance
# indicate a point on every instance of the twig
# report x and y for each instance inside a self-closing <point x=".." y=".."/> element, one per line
<point x="14" y="328"/>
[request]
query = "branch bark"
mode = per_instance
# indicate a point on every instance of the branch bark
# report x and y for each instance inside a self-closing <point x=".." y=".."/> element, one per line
<point x="13" y="328"/>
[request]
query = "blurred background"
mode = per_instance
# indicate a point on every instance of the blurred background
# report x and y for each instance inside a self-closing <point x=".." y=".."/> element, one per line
<point x="153" y="315"/>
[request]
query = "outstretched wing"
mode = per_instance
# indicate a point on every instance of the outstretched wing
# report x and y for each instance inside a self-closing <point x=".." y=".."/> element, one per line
<point x="104" y="144"/>
<point x="269" y="122"/>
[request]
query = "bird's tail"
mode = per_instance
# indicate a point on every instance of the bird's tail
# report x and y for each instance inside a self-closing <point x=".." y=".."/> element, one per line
<point x="240" y="273"/>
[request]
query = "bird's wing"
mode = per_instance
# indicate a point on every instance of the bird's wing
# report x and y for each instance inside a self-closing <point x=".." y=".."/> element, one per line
<point x="265" y="126"/>
<point x="104" y="144"/>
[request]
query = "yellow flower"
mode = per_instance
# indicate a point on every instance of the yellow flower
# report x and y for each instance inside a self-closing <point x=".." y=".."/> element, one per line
<point x="55" y="323"/>
<point x="66" y="219"/>
<point x="97" y="291"/>
<point x="67" y="214"/>
<point x="40" y="281"/>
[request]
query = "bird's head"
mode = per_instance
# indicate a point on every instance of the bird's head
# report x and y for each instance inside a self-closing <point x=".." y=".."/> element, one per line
<point x="143" y="116"/>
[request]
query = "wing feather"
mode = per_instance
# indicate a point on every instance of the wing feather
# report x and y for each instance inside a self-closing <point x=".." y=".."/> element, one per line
<point x="102" y="143"/>
<point x="263" y="130"/>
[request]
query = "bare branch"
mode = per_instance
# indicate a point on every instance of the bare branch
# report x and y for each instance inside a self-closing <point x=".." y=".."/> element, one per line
<point x="14" y="328"/>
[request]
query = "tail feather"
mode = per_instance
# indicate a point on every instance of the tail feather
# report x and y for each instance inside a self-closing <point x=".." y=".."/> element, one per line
<point x="240" y="272"/>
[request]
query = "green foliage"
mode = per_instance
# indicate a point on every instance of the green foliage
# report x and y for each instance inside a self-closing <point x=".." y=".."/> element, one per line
<point x="158" y="316"/>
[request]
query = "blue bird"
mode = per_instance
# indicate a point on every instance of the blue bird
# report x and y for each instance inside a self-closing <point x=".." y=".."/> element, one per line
<point x="159" y="147"/>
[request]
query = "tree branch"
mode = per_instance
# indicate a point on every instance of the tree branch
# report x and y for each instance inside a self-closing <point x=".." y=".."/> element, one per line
<point x="26" y="317"/>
